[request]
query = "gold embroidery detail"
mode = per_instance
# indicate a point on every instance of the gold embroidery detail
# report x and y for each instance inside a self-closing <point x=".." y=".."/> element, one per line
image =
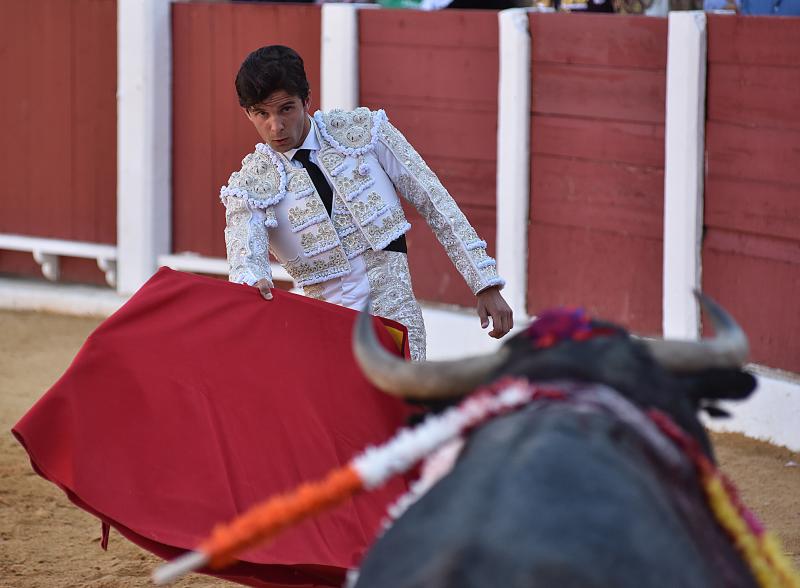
<point x="350" y="129"/>
<point x="299" y="180"/>
<point x="386" y="228"/>
<point x="314" y="272"/>
<point x="324" y="239"/>
<point x="301" y="216"/>
<point x="353" y="244"/>
<point x="331" y="159"/>
<point x="258" y="175"/>
<point x="355" y="184"/>
<point x="367" y="211"/>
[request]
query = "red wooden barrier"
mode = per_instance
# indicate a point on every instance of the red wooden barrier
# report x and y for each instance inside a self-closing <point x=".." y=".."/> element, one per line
<point x="597" y="171"/>
<point x="210" y="133"/>
<point x="58" y="116"/>
<point x="435" y="74"/>
<point x="751" y="253"/>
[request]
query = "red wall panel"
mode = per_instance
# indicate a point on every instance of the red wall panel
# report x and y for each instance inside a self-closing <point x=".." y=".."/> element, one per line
<point x="597" y="176"/>
<point x="211" y="134"/>
<point x="435" y="75"/>
<point x="58" y="115"/>
<point x="751" y="248"/>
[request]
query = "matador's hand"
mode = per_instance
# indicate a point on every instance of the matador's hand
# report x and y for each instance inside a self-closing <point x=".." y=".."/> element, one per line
<point x="264" y="286"/>
<point x="492" y="304"/>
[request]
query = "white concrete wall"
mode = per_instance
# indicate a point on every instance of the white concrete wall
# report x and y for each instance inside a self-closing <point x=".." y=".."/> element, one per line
<point x="771" y="414"/>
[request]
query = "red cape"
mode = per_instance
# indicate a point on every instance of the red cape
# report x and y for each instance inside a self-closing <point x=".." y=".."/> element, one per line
<point x="198" y="399"/>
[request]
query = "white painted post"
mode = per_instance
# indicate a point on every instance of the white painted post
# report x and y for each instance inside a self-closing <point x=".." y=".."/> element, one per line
<point x="683" y="172"/>
<point x="513" y="156"/>
<point x="143" y="139"/>
<point x="339" y="76"/>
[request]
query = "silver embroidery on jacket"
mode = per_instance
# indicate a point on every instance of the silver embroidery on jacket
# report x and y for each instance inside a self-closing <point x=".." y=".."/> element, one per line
<point x="246" y="243"/>
<point x="312" y="211"/>
<point x="324" y="239"/>
<point x="331" y="266"/>
<point x="392" y="296"/>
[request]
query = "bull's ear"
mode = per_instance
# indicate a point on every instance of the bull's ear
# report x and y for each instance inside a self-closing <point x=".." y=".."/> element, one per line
<point x="720" y="384"/>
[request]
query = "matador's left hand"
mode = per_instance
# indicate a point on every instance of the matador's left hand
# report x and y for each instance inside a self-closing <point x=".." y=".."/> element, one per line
<point x="492" y="304"/>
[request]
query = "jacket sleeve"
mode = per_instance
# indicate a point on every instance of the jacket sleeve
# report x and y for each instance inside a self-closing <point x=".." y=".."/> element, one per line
<point x="246" y="241"/>
<point x="417" y="183"/>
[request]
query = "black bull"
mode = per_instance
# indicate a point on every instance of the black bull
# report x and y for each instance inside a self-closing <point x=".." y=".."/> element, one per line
<point x="555" y="495"/>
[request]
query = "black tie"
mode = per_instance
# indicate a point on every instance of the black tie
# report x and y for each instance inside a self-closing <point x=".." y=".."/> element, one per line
<point x="326" y="193"/>
<point x="320" y="183"/>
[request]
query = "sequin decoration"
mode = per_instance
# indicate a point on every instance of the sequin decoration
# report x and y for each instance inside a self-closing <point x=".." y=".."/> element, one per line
<point x="312" y="211"/>
<point x="353" y="133"/>
<point x="246" y="242"/>
<point x="331" y="266"/>
<point x="319" y="241"/>
<point x="331" y="159"/>
<point x="299" y="182"/>
<point x="367" y="211"/>
<point x="387" y="228"/>
<point x="392" y="296"/>
<point x="354" y="244"/>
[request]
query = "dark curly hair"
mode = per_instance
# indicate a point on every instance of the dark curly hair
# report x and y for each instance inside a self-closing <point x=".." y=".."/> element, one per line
<point x="267" y="70"/>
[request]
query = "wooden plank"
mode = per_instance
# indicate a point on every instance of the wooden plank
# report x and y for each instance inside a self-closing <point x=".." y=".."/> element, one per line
<point x="619" y="94"/>
<point x="192" y="143"/>
<point x="752" y="207"/>
<point x="17" y="26"/>
<point x="450" y="28"/>
<point x="768" y="155"/>
<point x="616" y="277"/>
<point x="434" y="277"/>
<point x="754" y="40"/>
<point x="442" y="133"/>
<point x="50" y="49"/>
<point x="760" y="291"/>
<point x="639" y="144"/>
<point x="763" y="247"/>
<point x="754" y="95"/>
<point x="595" y="39"/>
<point x="622" y="199"/>
<point x="94" y="151"/>
<point x="471" y="182"/>
<point x="59" y="127"/>
<point x="455" y="78"/>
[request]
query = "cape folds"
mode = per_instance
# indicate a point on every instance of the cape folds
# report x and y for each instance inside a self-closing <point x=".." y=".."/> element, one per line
<point x="198" y="399"/>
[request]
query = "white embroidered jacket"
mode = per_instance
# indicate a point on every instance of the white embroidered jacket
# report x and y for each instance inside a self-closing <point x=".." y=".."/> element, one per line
<point x="272" y="205"/>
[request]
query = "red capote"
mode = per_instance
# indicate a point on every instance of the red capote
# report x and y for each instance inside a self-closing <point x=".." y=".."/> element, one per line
<point x="198" y="399"/>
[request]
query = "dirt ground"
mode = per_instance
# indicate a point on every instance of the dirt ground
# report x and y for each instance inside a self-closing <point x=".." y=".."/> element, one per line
<point x="45" y="541"/>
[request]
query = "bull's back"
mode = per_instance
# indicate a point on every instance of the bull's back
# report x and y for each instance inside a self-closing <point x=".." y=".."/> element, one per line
<point x="553" y="497"/>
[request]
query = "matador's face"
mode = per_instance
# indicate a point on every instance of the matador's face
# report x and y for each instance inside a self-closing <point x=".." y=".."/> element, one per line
<point x="281" y="120"/>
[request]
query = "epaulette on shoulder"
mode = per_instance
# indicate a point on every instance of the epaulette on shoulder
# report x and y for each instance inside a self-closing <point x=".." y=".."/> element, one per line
<point x="261" y="180"/>
<point x="352" y="132"/>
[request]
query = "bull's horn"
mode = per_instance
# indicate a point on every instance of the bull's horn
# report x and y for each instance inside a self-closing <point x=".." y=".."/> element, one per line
<point x="727" y="349"/>
<point x="420" y="380"/>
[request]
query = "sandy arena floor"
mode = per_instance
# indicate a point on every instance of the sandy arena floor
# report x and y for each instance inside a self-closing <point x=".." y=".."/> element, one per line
<point x="47" y="542"/>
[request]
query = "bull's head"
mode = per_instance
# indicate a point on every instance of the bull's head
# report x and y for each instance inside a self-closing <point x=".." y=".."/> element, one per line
<point x="564" y="493"/>
<point x="675" y="376"/>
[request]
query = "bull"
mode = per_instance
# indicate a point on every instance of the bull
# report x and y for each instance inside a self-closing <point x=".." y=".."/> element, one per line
<point x="585" y="492"/>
